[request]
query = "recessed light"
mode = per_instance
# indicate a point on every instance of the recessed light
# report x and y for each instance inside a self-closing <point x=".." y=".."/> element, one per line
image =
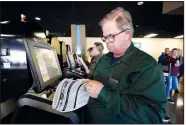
<point x="151" y="35"/>
<point x="5" y="22"/>
<point x="178" y="37"/>
<point x="7" y="35"/>
<point x="140" y="3"/>
<point x="37" y="18"/>
<point x="23" y="18"/>
<point x="137" y="25"/>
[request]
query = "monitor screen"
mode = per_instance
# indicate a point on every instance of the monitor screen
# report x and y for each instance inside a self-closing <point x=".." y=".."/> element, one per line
<point x="47" y="63"/>
<point x="43" y="62"/>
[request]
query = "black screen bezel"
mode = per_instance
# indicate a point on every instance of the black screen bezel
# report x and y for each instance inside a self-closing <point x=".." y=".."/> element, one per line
<point x="35" y="70"/>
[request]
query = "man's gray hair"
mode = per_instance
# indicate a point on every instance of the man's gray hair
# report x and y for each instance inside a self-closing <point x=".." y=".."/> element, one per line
<point x="122" y="18"/>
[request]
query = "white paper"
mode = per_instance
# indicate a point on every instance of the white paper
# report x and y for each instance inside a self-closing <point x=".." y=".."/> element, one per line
<point x="70" y="95"/>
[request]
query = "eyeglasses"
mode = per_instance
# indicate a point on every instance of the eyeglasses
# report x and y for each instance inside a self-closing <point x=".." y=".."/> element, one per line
<point x="111" y="37"/>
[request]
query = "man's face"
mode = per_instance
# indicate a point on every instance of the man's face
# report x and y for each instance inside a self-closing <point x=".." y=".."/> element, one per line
<point x="180" y="52"/>
<point x="166" y="51"/>
<point x="118" y="44"/>
<point x="175" y="53"/>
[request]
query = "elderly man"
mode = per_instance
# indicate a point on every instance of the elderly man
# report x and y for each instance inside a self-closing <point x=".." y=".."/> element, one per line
<point x="128" y="84"/>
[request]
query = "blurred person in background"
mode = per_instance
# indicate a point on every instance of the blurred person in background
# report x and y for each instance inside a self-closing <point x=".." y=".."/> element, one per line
<point x="163" y="56"/>
<point x="89" y="50"/>
<point x="181" y="67"/>
<point x="97" y="53"/>
<point x="172" y="83"/>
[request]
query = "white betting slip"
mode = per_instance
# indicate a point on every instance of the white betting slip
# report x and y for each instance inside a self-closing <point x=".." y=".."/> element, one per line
<point x="70" y="95"/>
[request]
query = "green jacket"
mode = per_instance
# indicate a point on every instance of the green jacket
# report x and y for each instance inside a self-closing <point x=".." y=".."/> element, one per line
<point x="133" y="92"/>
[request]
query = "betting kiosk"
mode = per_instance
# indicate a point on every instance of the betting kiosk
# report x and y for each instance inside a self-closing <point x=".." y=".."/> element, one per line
<point x="46" y="73"/>
<point x="15" y="80"/>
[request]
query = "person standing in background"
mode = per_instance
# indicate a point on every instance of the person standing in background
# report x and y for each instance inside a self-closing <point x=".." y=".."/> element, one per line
<point x="172" y="83"/>
<point x="97" y="53"/>
<point x="170" y="54"/>
<point x="181" y="60"/>
<point x="163" y="56"/>
<point x="181" y="67"/>
<point x="89" y="50"/>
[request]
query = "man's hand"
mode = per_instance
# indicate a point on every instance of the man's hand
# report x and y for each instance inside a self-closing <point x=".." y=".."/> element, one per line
<point x="93" y="88"/>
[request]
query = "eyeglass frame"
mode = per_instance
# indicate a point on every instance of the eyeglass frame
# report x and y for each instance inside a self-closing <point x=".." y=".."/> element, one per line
<point x="113" y="36"/>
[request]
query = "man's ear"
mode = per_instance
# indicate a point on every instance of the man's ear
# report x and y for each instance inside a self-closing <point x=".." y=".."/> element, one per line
<point x="127" y="34"/>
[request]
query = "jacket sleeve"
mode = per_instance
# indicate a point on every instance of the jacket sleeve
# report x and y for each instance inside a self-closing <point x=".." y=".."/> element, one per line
<point x="145" y="100"/>
<point x="160" y="59"/>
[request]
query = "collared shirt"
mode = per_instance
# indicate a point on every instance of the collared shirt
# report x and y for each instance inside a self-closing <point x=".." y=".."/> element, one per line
<point x="133" y="92"/>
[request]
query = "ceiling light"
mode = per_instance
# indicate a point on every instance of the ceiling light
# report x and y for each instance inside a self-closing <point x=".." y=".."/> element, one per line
<point x="140" y="3"/>
<point x="37" y="18"/>
<point x="5" y="22"/>
<point x="7" y="35"/>
<point x="23" y="18"/>
<point x="181" y="36"/>
<point x="150" y="35"/>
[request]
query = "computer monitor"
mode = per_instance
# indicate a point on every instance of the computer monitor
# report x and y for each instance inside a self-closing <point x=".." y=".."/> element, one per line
<point x="43" y="62"/>
<point x="70" y="60"/>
